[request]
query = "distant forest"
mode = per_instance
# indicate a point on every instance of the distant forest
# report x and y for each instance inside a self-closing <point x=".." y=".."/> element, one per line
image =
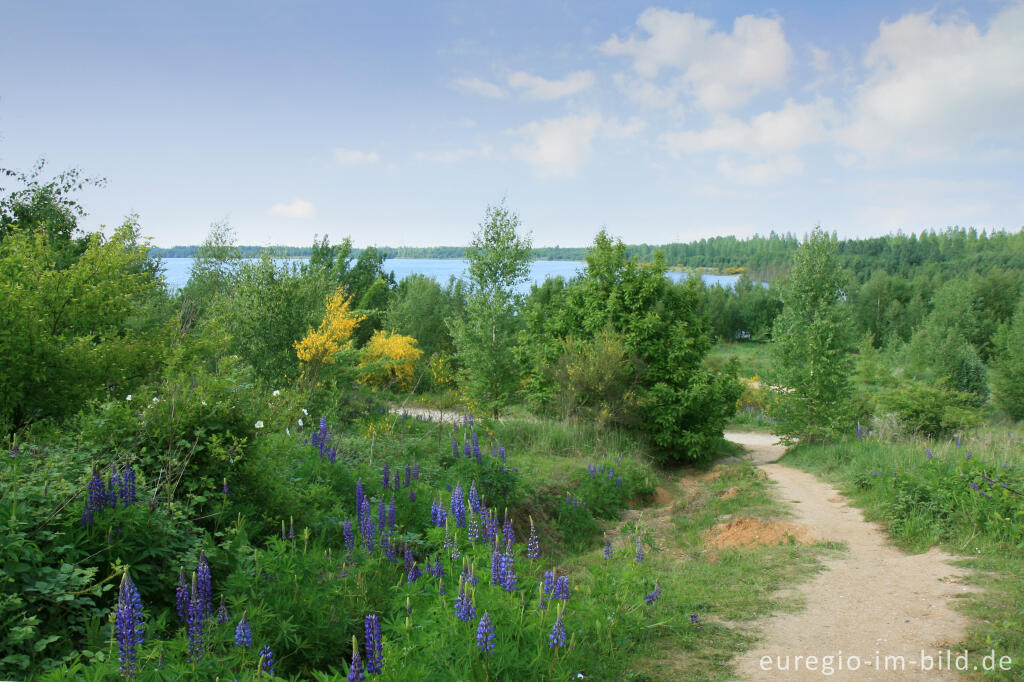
<point x="953" y="250"/>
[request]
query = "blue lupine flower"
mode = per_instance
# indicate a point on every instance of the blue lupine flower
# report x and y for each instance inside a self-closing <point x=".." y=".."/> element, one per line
<point x="508" y="570"/>
<point x="859" y="434"/>
<point x="464" y="608"/>
<point x="360" y="496"/>
<point x="457" y="504"/>
<point x="561" y="590"/>
<point x="455" y="447"/>
<point x="491" y="526"/>
<point x="607" y="549"/>
<point x="129" y="624"/>
<point x="224" y="489"/>
<point x="387" y="475"/>
<point x="243" y="633"/>
<point x="557" y="637"/>
<point x="532" y="543"/>
<point x="967" y="456"/>
<point x="501" y="452"/>
<point x="415" y="470"/>
<point x="640" y="550"/>
<point x="223" y="616"/>
<point x="382" y="515"/>
<point x="332" y="455"/>
<point x="474" y="498"/>
<point x="928" y="453"/>
<point x="472" y="528"/>
<point x="549" y="582"/>
<point x="291" y="527"/>
<point x="128" y="486"/>
<point x="374" y="644"/>
<point x="592" y="469"/>
<point x="181" y="597"/>
<point x="267" y="660"/>
<point x="618" y="481"/>
<point x="485" y="634"/>
<point x="412" y="495"/>
<point x="465" y="449"/>
<point x="653" y="596"/>
<point x="95" y="498"/>
<point x="469" y="575"/>
<point x="350" y="540"/>
<point x="497" y="563"/>
<point x="195" y="624"/>
<point x="611" y="473"/>
<point x="398" y="479"/>
<point x="113" y="484"/>
<point x="390" y="551"/>
<point x="958" y="440"/>
<point x="205" y="584"/>
<point x="392" y="512"/>
<point x="408" y="475"/>
<point x="506" y="531"/>
<point x="355" y="670"/>
<point x="694" y="619"/>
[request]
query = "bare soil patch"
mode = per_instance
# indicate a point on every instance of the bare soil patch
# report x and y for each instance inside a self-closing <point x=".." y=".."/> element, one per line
<point x="748" y="532"/>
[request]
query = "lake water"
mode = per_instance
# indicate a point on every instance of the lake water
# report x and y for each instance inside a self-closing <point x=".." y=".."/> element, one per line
<point x="177" y="270"/>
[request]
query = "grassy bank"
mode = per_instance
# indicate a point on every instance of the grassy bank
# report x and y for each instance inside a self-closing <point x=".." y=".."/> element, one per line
<point x="964" y="496"/>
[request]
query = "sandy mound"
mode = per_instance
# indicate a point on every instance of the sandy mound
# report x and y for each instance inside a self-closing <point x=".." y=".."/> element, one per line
<point x="746" y="532"/>
<point x="730" y="493"/>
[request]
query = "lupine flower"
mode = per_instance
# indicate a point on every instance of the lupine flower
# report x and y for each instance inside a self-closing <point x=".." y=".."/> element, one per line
<point x="967" y="456"/>
<point x="374" y="644"/>
<point x="360" y="496"/>
<point x="533" y="543"/>
<point x="611" y="473"/>
<point x="195" y="623"/>
<point x="128" y="486"/>
<point x="332" y="455"/>
<point x="485" y="634"/>
<point x="455" y="447"/>
<point x="508" y="570"/>
<point x="222" y="612"/>
<point x="205" y="584"/>
<point x="355" y="670"/>
<point x="549" y="582"/>
<point x="412" y="495"/>
<point x="506" y="531"/>
<point x="243" y="633"/>
<point x="465" y="449"/>
<point x="387" y="475"/>
<point x="416" y="470"/>
<point x="267" y="660"/>
<point x="607" y="549"/>
<point x="464" y="608"/>
<point x="95" y="498"/>
<point x="618" y="481"/>
<point x="469" y="574"/>
<point x="496" y="565"/>
<point x="129" y="625"/>
<point x="350" y="540"/>
<point x="640" y="549"/>
<point x="113" y="484"/>
<point x="408" y="475"/>
<point x="653" y="596"/>
<point x="501" y="452"/>
<point x="858" y="432"/>
<point x="398" y="479"/>
<point x="491" y="526"/>
<point x="458" y="506"/>
<point x="958" y="440"/>
<point x="557" y="637"/>
<point x="561" y="589"/>
<point x="382" y="515"/>
<point x="224" y="490"/>
<point x="181" y="597"/>
<point x="474" y="498"/>
<point x="928" y="453"/>
<point x="694" y="619"/>
<point x="472" y="528"/>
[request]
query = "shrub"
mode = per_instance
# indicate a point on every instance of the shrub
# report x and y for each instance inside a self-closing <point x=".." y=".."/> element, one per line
<point x="929" y="410"/>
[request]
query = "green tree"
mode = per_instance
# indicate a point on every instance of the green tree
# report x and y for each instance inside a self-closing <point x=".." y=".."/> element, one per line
<point x="1008" y="366"/>
<point x="485" y="338"/>
<point x="812" y="342"/>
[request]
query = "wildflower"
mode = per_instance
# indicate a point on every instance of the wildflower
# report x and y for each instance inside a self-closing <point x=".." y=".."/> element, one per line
<point x="457" y="504"/>
<point x="387" y="475"/>
<point x="967" y="456"/>
<point x="243" y="633"/>
<point x="408" y="476"/>
<point x="305" y="412"/>
<point x="276" y="393"/>
<point x="639" y="551"/>
<point x="392" y="512"/>
<point x="355" y="670"/>
<point x="204" y="403"/>
<point x="204" y="584"/>
<point x="653" y="596"/>
<point x="694" y="619"/>
<point x="129" y="625"/>
<point x="181" y="596"/>
<point x="412" y="495"/>
<point x="398" y="479"/>
<point x="928" y="453"/>
<point x="222" y="612"/>
<point x="561" y="589"/>
<point x="533" y="543"/>
<point x="607" y="549"/>
<point x="267" y="660"/>
<point x="485" y="634"/>
<point x="508" y="570"/>
<point x="469" y="574"/>
<point x="474" y="497"/>
<point x="129" y="397"/>
<point x="557" y="637"/>
<point x="858" y="432"/>
<point x="95" y="498"/>
<point x="464" y="608"/>
<point x="259" y="424"/>
<point x="618" y="481"/>
<point x="497" y="563"/>
<point x="549" y="582"/>
<point x="455" y="447"/>
<point x="300" y="422"/>
<point x="195" y="623"/>
<point x="360" y="496"/>
<point x="506" y="530"/>
<point x="958" y="440"/>
<point x="374" y="644"/>
<point x="156" y="400"/>
<point x="113" y="484"/>
<point x="225" y="490"/>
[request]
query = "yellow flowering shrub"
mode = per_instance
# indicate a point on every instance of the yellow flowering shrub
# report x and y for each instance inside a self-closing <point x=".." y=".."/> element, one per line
<point x="390" y="358"/>
<point x="318" y="347"/>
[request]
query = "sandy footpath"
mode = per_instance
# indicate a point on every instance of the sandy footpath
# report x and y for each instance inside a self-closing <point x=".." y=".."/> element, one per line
<point x="870" y="606"/>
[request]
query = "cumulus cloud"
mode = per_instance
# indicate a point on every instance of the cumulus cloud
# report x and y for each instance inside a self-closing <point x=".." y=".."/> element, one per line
<point x="793" y="126"/>
<point x="456" y="155"/>
<point x="650" y="94"/>
<point x="557" y="147"/>
<point x="478" y="86"/>
<point x="721" y="70"/>
<point x="297" y="209"/>
<point x="536" y="87"/>
<point x="935" y="86"/>
<point x="761" y="172"/>
<point x="354" y="157"/>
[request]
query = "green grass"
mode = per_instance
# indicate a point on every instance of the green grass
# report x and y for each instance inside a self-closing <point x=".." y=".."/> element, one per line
<point x="752" y="357"/>
<point x="932" y="501"/>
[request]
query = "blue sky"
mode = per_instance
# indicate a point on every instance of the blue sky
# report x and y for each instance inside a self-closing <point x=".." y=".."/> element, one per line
<point x="398" y="123"/>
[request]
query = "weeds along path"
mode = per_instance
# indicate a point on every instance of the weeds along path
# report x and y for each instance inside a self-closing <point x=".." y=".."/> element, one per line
<point x="873" y="603"/>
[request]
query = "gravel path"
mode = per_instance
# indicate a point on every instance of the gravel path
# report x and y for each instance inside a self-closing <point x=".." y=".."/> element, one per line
<point x="874" y="606"/>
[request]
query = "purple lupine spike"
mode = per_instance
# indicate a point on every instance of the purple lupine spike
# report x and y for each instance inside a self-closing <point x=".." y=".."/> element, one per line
<point x="95" y="498"/>
<point x="205" y="584"/>
<point x="506" y="530"/>
<point x="332" y="455"/>
<point x="128" y="486"/>
<point x="291" y="527"/>
<point x="557" y="637"/>
<point x="561" y="589"/>
<point x="382" y="515"/>
<point x="639" y="551"/>
<point x="469" y="574"/>
<point x="455" y="447"/>
<point x="113" y="484"/>
<point x="533" y="543"/>
<point x="223" y="615"/>
<point x="129" y="625"/>
<point x="548" y="582"/>
<point x="267" y="660"/>
<point x="485" y="634"/>
<point x="181" y="596"/>
<point x="466" y="449"/>
<point x="491" y="528"/>
<point x="355" y="669"/>
<point x="392" y="511"/>
<point x="390" y="551"/>
<point x="653" y="596"/>
<point x="360" y="496"/>
<point x="859" y="433"/>
<point x="398" y="480"/>
<point x="501" y="452"/>
<point x="195" y="624"/>
<point x="454" y="554"/>
<point x="387" y="475"/>
<point x="928" y="453"/>
<point x="415" y="470"/>
<point x="458" y="506"/>
<point x="607" y="549"/>
<point x="408" y="475"/>
<point x="412" y="495"/>
<point x="497" y="564"/>
<point x="350" y="540"/>
<point x="618" y="481"/>
<point x="472" y="528"/>
<point x="374" y="645"/>
<point x="464" y="608"/>
<point x="611" y="473"/>
<point x="508" y="570"/>
<point x="243" y="633"/>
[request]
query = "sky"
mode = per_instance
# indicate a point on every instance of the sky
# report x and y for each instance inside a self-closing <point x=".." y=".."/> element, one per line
<point x="398" y="123"/>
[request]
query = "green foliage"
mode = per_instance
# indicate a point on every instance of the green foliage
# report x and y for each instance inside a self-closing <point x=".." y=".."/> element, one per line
<point x="419" y="309"/>
<point x="1008" y="367"/>
<point x="499" y="260"/>
<point x="76" y="332"/>
<point x="812" y="344"/>
<point x="597" y="380"/>
<point x="930" y="411"/>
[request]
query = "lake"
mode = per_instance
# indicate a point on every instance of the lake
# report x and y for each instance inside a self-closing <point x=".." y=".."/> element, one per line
<point x="176" y="270"/>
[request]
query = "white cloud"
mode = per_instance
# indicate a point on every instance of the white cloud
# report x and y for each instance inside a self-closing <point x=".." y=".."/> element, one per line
<point x="762" y="172"/>
<point x="788" y="129"/>
<point x="536" y="87"/>
<point x="721" y="70"/>
<point x="935" y="87"/>
<point x="557" y="147"/>
<point x="354" y="157"/>
<point x="650" y="94"/>
<point x="456" y="155"/>
<point x="821" y="60"/>
<point x="297" y="209"/>
<point x="478" y="86"/>
<point x="613" y="129"/>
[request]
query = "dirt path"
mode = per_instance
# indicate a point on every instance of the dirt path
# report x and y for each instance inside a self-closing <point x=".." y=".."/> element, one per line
<point x="870" y="603"/>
